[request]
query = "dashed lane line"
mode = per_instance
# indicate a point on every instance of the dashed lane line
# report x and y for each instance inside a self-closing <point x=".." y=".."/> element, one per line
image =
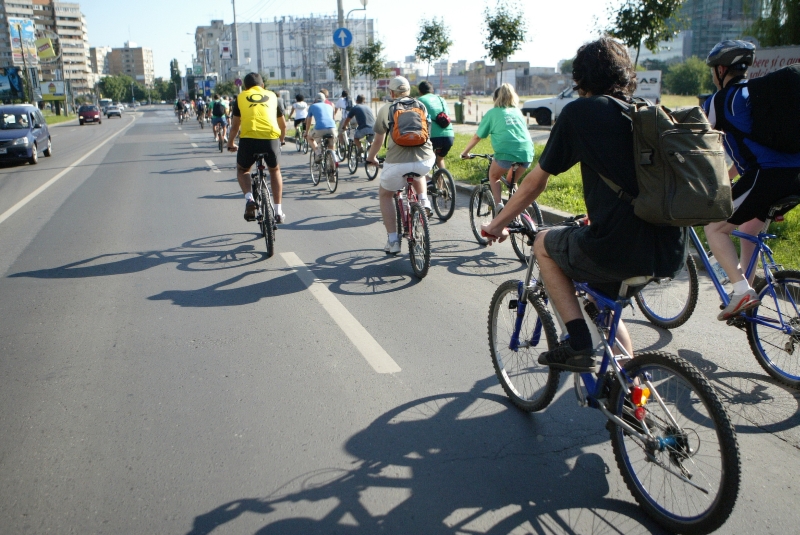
<point x="369" y="348"/>
<point x="194" y="145"/>
<point x="213" y="166"/>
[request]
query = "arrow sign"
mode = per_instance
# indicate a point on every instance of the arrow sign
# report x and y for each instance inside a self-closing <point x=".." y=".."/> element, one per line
<point x="342" y="37"/>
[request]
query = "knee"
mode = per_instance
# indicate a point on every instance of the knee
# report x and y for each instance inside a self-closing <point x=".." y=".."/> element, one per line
<point x="539" y="249"/>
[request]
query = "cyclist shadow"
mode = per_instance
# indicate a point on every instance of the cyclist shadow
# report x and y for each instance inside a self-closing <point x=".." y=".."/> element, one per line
<point x="757" y="402"/>
<point x="237" y="196"/>
<point x="364" y="272"/>
<point x="181" y="171"/>
<point x="467" y="258"/>
<point x="361" y="218"/>
<point x="663" y="336"/>
<point x="464" y="462"/>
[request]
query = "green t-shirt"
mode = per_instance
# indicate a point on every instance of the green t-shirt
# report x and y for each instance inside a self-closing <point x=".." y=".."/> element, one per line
<point x="436" y="105"/>
<point x="510" y="138"/>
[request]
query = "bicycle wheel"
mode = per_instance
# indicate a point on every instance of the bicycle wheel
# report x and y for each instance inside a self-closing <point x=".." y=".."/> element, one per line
<point x="298" y="141"/>
<point x="777" y="345"/>
<point x="372" y="171"/>
<point x="341" y="150"/>
<point x="694" y="445"/>
<point x="315" y="169"/>
<point x="305" y="145"/>
<point x="481" y="211"/>
<point x="529" y="385"/>
<point x="419" y="241"/>
<point x="331" y="171"/>
<point x="268" y="221"/>
<point x="669" y="302"/>
<point x="444" y="201"/>
<point x="220" y="141"/>
<point x="352" y="159"/>
<point x="519" y="242"/>
<point x="401" y="231"/>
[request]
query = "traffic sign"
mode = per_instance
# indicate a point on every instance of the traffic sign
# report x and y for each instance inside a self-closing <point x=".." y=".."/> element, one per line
<point x="238" y="82"/>
<point x="342" y="37"/>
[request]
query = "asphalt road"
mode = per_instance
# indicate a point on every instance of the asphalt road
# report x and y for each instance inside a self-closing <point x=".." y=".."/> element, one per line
<point x="159" y="375"/>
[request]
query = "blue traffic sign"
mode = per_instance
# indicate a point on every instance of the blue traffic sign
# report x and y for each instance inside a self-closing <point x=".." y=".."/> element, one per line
<point x="342" y="37"/>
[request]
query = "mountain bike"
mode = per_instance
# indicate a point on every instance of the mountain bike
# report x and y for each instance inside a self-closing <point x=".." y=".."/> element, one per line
<point x="357" y="153"/>
<point x="671" y="436"/>
<point x="773" y="327"/>
<point x="326" y="167"/>
<point x="262" y="195"/>
<point x="218" y="136"/>
<point x="442" y="192"/>
<point x="482" y="208"/>
<point x="300" y="141"/>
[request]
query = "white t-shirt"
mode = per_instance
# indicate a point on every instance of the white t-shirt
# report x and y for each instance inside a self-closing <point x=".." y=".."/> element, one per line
<point x="341" y="103"/>
<point x="300" y="110"/>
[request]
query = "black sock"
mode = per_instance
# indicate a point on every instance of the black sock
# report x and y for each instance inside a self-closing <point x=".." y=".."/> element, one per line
<point x="579" y="335"/>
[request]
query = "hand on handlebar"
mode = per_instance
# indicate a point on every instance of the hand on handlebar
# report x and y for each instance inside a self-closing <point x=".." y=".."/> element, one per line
<point x="467" y="156"/>
<point x="493" y="237"/>
<point x="232" y="147"/>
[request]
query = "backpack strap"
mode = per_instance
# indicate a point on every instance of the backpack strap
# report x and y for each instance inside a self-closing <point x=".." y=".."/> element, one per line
<point x="621" y="194"/>
<point x="721" y="105"/>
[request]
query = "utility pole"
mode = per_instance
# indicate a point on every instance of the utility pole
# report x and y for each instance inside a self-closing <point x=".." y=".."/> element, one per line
<point x="236" y="44"/>
<point x="25" y="64"/>
<point x="345" y="62"/>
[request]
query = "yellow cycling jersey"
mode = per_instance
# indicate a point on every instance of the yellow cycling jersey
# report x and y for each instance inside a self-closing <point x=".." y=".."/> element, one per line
<point x="258" y="109"/>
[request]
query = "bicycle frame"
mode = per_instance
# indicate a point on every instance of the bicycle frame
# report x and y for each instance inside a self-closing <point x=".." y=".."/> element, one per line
<point x="404" y="204"/>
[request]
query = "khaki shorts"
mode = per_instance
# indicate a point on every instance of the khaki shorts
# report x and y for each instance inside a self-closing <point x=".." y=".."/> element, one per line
<point x="392" y="173"/>
<point x="317" y="134"/>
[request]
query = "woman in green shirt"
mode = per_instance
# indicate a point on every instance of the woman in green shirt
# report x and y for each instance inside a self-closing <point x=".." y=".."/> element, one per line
<point x="510" y="139"/>
<point x="441" y="138"/>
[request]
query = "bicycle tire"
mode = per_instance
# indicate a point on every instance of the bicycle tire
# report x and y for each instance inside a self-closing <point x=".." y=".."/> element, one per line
<point x="220" y="141"/>
<point x="529" y="385"/>
<point x="419" y="241"/>
<point x="341" y="151"/>
<point x="298" y="141"/>
<point x="372" y="170"/>
<point x="305" y="145"/>
<point x="709" y="453"/>
<point x="268" y="220"/>
<point x="784" y="364"/>
<point x="352" y="159"/>
<point x="481" y="211"/>
<point x="331" y="171"/>
<point x="670" y="302"/>
<point x="315" y="169"/>
<point x="444" y="201"/>
<point x="519" y="242"/>
<point x="401" y="231"/>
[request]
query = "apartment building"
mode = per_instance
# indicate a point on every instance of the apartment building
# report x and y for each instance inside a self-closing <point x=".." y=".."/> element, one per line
<point x="99" y="60"/>
<point x="712" y="21"/>
<point x="65" y="20"/>
<point x="134" y="61"/>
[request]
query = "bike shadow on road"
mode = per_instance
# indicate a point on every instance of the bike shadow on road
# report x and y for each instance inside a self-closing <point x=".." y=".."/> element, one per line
<point x="467" y="258"/>
<point x="363" y="217"/>
<point x="465" y="462"/>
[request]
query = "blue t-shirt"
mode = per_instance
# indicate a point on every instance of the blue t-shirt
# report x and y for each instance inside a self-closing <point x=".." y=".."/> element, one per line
<point x="737" y="111"/>
<point x="323" y="115"/>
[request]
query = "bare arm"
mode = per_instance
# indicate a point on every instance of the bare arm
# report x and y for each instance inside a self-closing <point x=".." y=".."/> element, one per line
<point x="236" y="122"/>
<point x="472" y="142"/>
<point x="308" y="126"/>
<point x="282" y="126"/>
<point x="345" y="123"/>
<point x="530" y="189"/>
<point x="375" y="148"/>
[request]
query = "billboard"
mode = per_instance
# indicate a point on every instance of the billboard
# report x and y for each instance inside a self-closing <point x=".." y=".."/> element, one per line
<point x="11" y="86"/>
<point x="225" y="49"/>
<point x="648" y="85"/>
<point x="44" y="48"/>
<point x="771" y="59"/>
<point x="23" y="39"/>
<point x="198" y="69"/>
<point x="53" y="91"/>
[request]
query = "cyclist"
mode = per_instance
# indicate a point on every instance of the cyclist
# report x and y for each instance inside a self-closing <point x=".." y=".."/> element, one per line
<point x="328" y="102"/>
<point x="766" y="174"/>
<point x="300" y="112"/>
<point x="344" y="104"/>
<point x="259" y="114"/>
<point x="219" y="117"/>
<point x="322" y="115"/>
<point x="617" y="245"/>
<point x="180" y="108"/>
<point x="399" y="161"/>
<point x="510" y="139"/>
<point x="364" y="119"/>
<point x="441" y="137"/>
<point x="200" y="108"/>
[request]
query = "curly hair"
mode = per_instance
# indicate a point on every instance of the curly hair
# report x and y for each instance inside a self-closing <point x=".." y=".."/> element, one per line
<point x="603" y="67"/>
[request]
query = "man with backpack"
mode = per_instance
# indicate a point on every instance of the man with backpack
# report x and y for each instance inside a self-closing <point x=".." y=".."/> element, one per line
<point x="617" y="244"/>
<point x="742" y="109"/>
<point x="219" y="116"/>
<point x="405" y="124"/>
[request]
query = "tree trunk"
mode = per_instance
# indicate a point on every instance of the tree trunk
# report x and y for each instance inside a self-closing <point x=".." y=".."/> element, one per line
<point x="501" y="73"/>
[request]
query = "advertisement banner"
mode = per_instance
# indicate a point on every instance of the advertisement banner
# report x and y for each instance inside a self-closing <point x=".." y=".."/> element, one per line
<point x="23" y="39"/>
<point x="44" y="48"/>
<point x="53" y="91"/>
<point x="225" y="49"/>
<point x="771" y="59"/>
<point x="648" y="85"/>
<point x="198" y="69"/>
<point x="11" y="86"/>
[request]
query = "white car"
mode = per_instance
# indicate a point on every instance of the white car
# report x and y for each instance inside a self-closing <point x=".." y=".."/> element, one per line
<point x="547" y="110"/>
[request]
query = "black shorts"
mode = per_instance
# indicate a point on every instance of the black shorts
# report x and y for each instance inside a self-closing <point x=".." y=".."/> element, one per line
<point x="442" y="145"/>
<point x="756" y="191"/>
<point x="298" y="122"/>
<point x="249" y="147"/>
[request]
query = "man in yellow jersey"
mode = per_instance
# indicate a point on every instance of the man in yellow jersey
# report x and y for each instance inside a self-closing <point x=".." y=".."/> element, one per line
<point x="259" y="114"/>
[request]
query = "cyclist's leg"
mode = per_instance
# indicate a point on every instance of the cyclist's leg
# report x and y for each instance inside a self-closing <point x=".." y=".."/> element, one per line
<point x="559" y="287"/>
<point x="388" y="211"/>
<point x="496" y="172"/>
<point x="753" y="227"/>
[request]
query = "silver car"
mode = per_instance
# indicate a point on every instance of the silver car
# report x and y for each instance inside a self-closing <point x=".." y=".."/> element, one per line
<point x="113" y="110"/>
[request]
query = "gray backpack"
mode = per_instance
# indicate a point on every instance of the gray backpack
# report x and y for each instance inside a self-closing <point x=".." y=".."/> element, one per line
<point x="680" y="167"/>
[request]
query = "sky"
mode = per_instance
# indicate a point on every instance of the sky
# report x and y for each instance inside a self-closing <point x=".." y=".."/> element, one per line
<point x="555" y="28"/>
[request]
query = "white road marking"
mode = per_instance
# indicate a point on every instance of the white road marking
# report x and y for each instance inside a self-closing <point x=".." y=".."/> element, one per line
<point x="179" y="128"/>
<point x="213" y="166"/>
<point x="194" y="145"/>
<point x="8" y="213"/>
<point x="369" y="348"/>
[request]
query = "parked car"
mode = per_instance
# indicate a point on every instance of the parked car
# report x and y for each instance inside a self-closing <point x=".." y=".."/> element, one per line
<point x="23" y="134"/>
<point x="114" y="110"/>
<point x="89" y="114"/>
<point x="547" y="110"/>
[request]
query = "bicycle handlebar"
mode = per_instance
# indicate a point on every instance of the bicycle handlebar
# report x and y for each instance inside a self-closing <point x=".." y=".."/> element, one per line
<point x="472" y="156"/>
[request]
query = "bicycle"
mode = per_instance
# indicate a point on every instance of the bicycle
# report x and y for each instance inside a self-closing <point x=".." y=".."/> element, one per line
<point x="181" y="117"/>
<point x="442" y="192"/>
<point x="482" y="208"/>
<point x="773" y="333"/>
<point x="300" y="141"/>
<point x="262" y="195"/>
<point x="326" y="167"/>
<point x="672" y="438"/>
<point x="218" y="128"/>
<point x="357" y="153"/>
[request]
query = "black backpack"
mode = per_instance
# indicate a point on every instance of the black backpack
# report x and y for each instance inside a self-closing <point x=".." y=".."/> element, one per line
<point x="218" y="110"/>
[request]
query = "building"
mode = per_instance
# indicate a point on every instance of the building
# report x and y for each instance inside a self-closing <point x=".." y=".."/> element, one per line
<point x="99" y="60"/>
<point x="712" y="21"/>
<point x="134" y="61"/>
<point x="675" y="50"/>
<point x="207" y="46"/>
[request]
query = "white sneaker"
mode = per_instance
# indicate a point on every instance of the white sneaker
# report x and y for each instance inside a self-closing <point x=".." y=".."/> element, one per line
<point x="280" y="218"/>
<point x="500" y="206"/>
<point x="392" y="247"/>
<point x="739" y="303"/>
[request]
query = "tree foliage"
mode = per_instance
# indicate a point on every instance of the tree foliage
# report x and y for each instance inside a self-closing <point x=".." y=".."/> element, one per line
<point x="433" y="40"/>
<point x="778" y="23"/>
<point x="692" y="77"/>
<point x="644" y="21"/>
<point x="371" y="60"/>
<point x="334" y="62"/>
<point x="505" y="31"/>
<point x="175" y="72"/>
<point x="566" y="66"/>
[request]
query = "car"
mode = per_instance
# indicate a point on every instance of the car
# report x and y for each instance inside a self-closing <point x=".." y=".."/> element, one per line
<point x="89" y="114"/>
<point x="23" y="134"/>
<point x="547" y="110"/>
<point x="113" y="110"/>
<point x="163" y="102"/>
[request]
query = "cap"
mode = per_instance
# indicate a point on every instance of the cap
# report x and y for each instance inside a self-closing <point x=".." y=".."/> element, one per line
<point x="399" y="84"/>
<point x="320" y="97"/>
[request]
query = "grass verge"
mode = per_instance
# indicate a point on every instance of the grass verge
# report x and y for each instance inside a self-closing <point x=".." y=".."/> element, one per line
<point x="55" y="119"/>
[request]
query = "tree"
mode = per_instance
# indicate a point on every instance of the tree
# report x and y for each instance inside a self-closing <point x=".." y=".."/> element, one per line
<point x="334" y="62"/>
<point x="505" y="31"/>
<point x="781" y="26"/>
<point x="648" y="21"/>
<point x="225" y="88"/>
<point x="371" y="61"/>
<point x="115" y="87"/>
<point x="433" y="41"/>
<point x="691" y="77"/>
<point x="175" y="72"/>
<point x="566" y="66"/>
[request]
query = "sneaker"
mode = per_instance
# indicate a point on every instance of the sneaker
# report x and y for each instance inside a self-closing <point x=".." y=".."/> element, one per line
<point x="563" y="357"/>
<point x="250" y="210"/>
<point x="392" y="247"/>
<point x="280" y="218"/>
<point x="500" y="206"/>
<point x="739" y="303"/>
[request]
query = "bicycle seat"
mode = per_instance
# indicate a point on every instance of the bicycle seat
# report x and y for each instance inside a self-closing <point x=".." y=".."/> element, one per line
<point x="328" y="136"/>
<point x="411" y="175"/>
<point x="782" y="206"/>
